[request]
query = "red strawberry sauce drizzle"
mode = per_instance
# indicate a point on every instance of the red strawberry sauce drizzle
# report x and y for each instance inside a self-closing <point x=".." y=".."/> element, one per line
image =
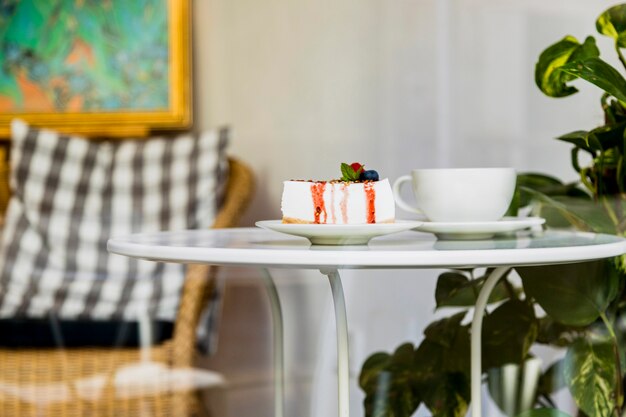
<point x="370" y="198"/>
<point x="319" y="208"/>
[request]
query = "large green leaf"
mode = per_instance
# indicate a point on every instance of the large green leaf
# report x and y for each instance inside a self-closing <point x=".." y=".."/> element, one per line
<point x="572" y="294"/>
<point x="545" y="185"/>
<point x="583" y="213"/>
<point x="457" y="290"/>
<point x="373" y="366"/>
<point x="580" y="139"/>
<point x="612" y="23"/>
<point x="549" y="186"/>
<point x="547" y="77"/>
<point x="444" y="331"/>
<point x="447" y="395"/>
<point x="599" y="139"/>
<point x="444" y="393"/>
<point x="598" y="72"/>
<point x="508" y="333"/>
<point x="395" y="384"/>
<point x="452" y="342"/>
<point x="428" y="359"/>
<point x="553" y="379"/>
<point x="592" y="214"/>
<point x="389" y="383"/>
<point x="557" y="334"/>
<point x="591" y="374"/>
<point x="543" y="412"/>
<point x="457" y="357"/>
<point x="609" y="136"/>
<point x="614" y="111"/>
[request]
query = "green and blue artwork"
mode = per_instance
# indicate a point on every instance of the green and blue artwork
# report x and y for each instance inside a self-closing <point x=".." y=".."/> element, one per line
<point x="83" y="56"/>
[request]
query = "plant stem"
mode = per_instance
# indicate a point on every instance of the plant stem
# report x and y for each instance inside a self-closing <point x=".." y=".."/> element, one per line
<point x="542" y="403"/>
<point x="510" y="289"/>
<point x="619" y="389"/>
<point x="609" y="210"/>
<point x="586" y="182"/>
<point x="548" y="399"/>
<point x="474" y="289"/>
<point x="619" y="54"/>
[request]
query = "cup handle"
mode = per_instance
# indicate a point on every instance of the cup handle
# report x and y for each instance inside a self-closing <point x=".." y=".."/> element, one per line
<point x="397" y="185"/>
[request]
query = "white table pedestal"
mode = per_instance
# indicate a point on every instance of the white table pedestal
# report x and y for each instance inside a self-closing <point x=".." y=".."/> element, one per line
<point x="476" y="337"/>
<point x="343" y="348"/>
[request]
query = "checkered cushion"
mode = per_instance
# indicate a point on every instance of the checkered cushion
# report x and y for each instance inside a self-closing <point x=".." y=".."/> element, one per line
<point x="69" y="195"/>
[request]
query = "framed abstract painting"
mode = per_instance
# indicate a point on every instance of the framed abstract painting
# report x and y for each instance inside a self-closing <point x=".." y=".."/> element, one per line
<point x="99" y="68"/>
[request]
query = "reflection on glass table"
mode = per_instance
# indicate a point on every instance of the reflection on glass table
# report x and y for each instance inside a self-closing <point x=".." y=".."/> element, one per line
<point x="105" y="366"/>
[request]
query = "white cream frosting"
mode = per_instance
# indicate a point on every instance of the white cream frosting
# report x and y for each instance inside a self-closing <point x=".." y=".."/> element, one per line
<point x="343" y="202"/>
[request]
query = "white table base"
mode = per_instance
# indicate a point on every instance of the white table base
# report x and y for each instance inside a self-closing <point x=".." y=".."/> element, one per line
<point x="476" y="337"/>
<point x="341" y="324"/>
<point x="279" y="348"/>
<point x="343" y="350"/>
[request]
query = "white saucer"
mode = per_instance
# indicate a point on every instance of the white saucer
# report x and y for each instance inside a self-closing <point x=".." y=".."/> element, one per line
<point x="339" y="234"/>
<point x="478" y="230"/>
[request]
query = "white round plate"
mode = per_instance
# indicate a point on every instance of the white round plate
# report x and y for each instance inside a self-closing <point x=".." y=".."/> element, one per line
<point x="338" y="234"/>
<point x="478" y="230"/>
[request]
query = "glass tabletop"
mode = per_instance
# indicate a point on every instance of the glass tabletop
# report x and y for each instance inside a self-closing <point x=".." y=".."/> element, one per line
<point x="257" y="247"/>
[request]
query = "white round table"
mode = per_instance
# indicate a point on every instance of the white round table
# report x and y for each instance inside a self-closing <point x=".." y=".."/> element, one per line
<point x="408" y="250"/>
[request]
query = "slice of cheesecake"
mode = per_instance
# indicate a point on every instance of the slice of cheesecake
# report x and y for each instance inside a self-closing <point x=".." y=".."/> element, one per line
<point x="338" y="202"/>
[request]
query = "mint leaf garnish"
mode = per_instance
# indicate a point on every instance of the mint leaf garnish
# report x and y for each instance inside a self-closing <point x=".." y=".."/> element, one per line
<point x="348" y="173"/>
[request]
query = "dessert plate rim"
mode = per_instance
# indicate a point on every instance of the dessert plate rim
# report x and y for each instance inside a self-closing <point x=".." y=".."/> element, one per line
<point x="338" y="234"/>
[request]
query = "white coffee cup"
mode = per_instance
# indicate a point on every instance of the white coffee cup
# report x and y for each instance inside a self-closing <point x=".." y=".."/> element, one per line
<point x="459" y="194"/>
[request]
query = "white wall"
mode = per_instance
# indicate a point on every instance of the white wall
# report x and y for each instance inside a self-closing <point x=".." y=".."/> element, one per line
<point x="307" y="84"/>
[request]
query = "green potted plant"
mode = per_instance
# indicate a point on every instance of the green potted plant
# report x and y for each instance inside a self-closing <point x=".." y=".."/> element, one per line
<point x="585" y="304"/>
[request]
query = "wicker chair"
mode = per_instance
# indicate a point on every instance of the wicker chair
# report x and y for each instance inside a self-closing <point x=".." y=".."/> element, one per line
<point x="42" y="382"/>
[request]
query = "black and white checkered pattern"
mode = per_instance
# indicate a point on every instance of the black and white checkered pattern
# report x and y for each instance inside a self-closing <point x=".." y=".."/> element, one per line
<point x="69" y="195"/>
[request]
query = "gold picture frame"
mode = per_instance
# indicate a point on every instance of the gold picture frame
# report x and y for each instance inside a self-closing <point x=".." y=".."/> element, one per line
<point x="27" y="74"/>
